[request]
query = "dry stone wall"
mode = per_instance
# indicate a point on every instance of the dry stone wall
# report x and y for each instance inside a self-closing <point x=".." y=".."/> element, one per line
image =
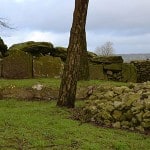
<point x="143" y="70"/>
<point x="118" y="107"/>
<point x="112" y="68"/>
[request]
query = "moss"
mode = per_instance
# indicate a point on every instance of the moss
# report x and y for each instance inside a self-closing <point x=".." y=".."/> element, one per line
<point x="47" y="66"/>
<point x="60" y="52"/>
<point x="129" y="73"/>
<point x="106" y="59"/>
<point x="96" y="72"/>
<point x="34" y="48"/>
<point x="114" y="66"/>
<point x="17" y="65"/>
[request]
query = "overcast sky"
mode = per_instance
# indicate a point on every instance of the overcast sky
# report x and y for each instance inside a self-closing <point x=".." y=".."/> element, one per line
<point x="125" y="23"/>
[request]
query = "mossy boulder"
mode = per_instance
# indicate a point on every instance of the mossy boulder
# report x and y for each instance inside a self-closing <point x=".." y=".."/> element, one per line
<point x="96" y="72"/>
<point x="60" y="52"/>
<point x="3" y="48"/>
<point x="47" y="66"/>
<point x="106" y="60"/>
<point x="34" y="48"/>
<point x="91" y="55"/>
<point x="129" y="73"/>
<point x="17" y="65"/>
<point x="114" y="66"/>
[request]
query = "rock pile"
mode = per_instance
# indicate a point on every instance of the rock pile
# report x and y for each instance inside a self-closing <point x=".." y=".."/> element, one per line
<point x="119" y="107"/>
<point x="143" y="70"/>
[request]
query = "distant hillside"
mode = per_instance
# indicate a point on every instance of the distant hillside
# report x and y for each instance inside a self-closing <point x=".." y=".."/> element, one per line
<point x="131" y="57"/>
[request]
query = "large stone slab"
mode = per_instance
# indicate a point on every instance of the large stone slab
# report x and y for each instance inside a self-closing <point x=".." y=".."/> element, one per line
<point x="114" y="66"/>
<point x="106" y="60"/>
<point x="17" y="65"/>
<point x="47" y="66"/>
<point x="129" y="73"/>
<point x="96" y="72"/>
<point x="34" y="48"/>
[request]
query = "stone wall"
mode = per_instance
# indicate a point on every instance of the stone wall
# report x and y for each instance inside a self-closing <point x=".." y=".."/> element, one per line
<point x="129" y="73"/>
<point x="143" y="70"/>
<point x="112" y="68"/>
<point x="47" y="66"/>
<point x="96" y="72"/>
<point x="17" y="65"/>
<point x="20" y="64"/>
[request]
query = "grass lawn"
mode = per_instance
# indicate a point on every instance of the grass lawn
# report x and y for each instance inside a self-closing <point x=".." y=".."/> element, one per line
<point x="55" y="83"/>
<point x="43" y="126"/>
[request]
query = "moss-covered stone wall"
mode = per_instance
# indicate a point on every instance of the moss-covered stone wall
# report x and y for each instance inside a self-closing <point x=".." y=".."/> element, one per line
<point x="47" y="66"/>
<point x="17" y="65"/>
<point x="143" y="70"/>
<point x="21" y="64"/>
<point x="96" y="72"/>
<point x="119" y="107"/>
<point x="113" y="68"/>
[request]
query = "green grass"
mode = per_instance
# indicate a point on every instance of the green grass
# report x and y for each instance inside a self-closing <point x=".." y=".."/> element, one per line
<point x="55" y="83"/>
<point x="101" y="82"/>
<point x="29" y="82"/>
<point x="41" y="125"/>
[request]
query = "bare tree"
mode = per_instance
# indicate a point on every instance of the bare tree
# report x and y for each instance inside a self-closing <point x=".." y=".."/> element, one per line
<point x="105" y="50"/>
<point x="4" y="24"/>
<point x="75" y="52"/>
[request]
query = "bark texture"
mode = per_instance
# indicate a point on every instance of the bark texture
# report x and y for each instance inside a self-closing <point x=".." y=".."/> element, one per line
<point x="76" y="50"/>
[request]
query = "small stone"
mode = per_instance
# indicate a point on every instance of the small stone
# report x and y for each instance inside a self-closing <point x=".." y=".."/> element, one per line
<point x="145" y="124"/>
<point x="116" y="125"/>
<point x="146" y="114"/>
<point x="125" y="124"/>
<point x="134" y="120"/>
<point x="140" y="128"/>
<point x="117" y="114"/>
<point x="139" y="116"/>
<point x="37" y="87"/>
<point x="109" y="94"/>
<point x="117" y="104"/>
<point x="107" y="122"/>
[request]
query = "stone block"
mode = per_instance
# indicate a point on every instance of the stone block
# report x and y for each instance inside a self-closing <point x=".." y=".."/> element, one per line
<point x="47" y="66"/>
<point x="96" y="72"/>
<point x="129" y="73"/>
<point x="115" y="66"/>
<point x="17" y="65"/>
<point x="106" y="60"/>
<point x="33" y="48"/>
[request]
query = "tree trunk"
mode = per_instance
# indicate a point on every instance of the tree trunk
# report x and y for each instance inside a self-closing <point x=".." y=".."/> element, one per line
<point x="76" y="49"/>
